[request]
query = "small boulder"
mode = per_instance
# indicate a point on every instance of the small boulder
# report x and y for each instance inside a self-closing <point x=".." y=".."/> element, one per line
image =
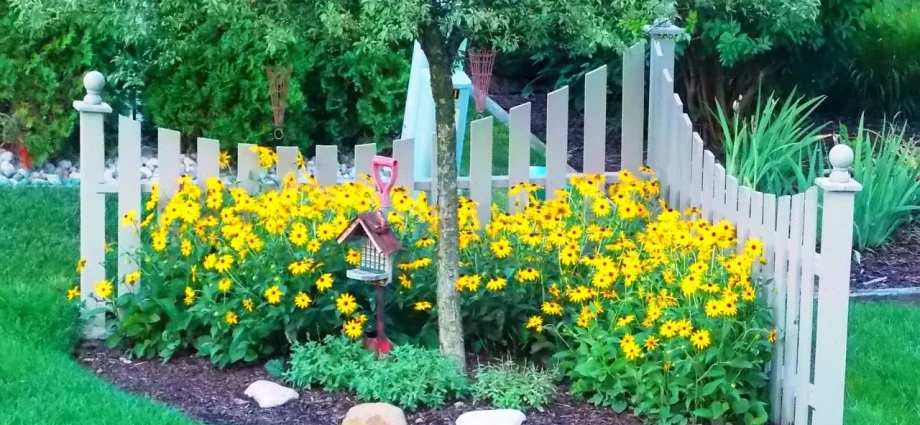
<point x="6" y="156"/>
<point x="375" y="414"/>
<point x="152" y="163"/>
<point x="269" y="394"/>
<point x="65" y="164"/>
<point x="7" y="169"/>
<point x="54" y="179"/>
<point x="492" y="417"/>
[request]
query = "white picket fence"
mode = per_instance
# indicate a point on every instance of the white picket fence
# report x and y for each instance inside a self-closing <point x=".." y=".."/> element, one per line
<point x="689" y="176"/>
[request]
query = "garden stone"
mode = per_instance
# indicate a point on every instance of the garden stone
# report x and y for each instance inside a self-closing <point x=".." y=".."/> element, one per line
<point x="54" y="180"/>
<point x="108" y="176"/>
<point x="23" y="172"/>
<point x="48" y="168"/>
<point x="6" y="156"/>
<point x="20" y="175"/>
<point x="72" y="181"/>
<point x="152" y="163"/>
<point x="40" y="182"/>
<point x="147" y="152"/>
<point x="7" y="169"/>
<point x="375" y="414"/>
<point x="37" y="176"/>
<point x="4" y="181"/>
<point x="146" y="173"/>
<point x="269" y="394"/>
<point x="65" y="164"/>
<point x="492" y="417"/>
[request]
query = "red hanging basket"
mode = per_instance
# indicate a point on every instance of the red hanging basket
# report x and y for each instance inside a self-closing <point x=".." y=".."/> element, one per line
<point x="480" y="62"/>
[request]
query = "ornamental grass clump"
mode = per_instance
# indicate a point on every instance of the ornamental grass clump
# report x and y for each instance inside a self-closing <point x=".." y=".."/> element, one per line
<point x="643" y="306"/>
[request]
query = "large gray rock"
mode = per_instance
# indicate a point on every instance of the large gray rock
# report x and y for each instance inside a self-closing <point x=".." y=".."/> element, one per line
<point x="152" y="163"/>
<point x="492" y="417"/>
<point x="54" y="179"/>
<point x="6" y="168"/>
<point x="4" y="182"/>
<point x="6" y="156"/>
<point x="269" y="394"/>
<point x="65" y="164"/>
<point x="375" y="414"/>
<point x="146" y="173"/>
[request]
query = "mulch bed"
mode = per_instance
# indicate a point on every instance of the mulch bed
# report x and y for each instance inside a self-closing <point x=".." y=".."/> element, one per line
<point x="893" y="265"/>
<point x="215" y="396"/>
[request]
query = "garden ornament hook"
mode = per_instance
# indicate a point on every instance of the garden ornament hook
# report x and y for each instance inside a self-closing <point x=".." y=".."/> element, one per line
<point x="383" y="188"/>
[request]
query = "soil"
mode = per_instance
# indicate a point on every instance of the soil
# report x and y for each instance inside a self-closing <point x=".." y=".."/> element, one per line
<point x="215" y="396"/>
<point x="893" y="265"/>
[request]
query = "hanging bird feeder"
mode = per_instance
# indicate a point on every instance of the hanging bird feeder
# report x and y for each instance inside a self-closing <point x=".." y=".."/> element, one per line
<point x="481" y="62"/>
<point x="279" y="79"/>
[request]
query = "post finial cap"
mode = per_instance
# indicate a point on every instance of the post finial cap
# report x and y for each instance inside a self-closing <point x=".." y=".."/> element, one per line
<point x="841" y="159"/>
<point x="94" y="83"/>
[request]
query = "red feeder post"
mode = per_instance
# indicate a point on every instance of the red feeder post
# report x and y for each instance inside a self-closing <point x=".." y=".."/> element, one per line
<point x="379" y="249"/>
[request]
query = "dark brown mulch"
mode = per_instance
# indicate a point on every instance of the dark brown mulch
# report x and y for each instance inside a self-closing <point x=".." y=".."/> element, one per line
<point x="893" y="265"/>
<point x="215" y="396"/>
<point x="508" y="93"/>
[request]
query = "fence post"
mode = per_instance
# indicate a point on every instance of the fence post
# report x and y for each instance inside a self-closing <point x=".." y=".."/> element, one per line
<point x="834" y="287"/>
<point x="92" y="203"/>
<point x="663" y="35"/>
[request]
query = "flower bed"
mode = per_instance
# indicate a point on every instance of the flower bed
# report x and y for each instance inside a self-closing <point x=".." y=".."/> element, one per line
<point x="643" y="306"/>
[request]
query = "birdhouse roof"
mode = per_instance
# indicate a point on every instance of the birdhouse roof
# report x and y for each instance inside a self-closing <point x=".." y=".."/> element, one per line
<point x="373" y="226"/>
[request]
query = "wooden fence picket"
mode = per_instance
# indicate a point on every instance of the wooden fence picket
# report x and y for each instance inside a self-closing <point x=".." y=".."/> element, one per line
<point x="168" y="156"/>
<point x="327" y="165"/>
<point x="595" y="121"/>
<point x="247" y="163"/>
<point x="404" y="154"/>
<point x="364" y="160"/>
<point x="791" y="332"/>
<point x="744" y="215"/>
<point x="518" y="154"/>
<point x="633" y="108"/>
<point x="806" y="312"/>
<point x="696" y="172"/>
<point x="557" y="136"/>
<point x="784" y="206"/>
<point x="718" y="194"/>
<point x="481" y="167"/>
<point x="287" y="163"/>
<point x="208" y="160"/>
<point x="129" y="199"/>
<point x="709" y="180"/>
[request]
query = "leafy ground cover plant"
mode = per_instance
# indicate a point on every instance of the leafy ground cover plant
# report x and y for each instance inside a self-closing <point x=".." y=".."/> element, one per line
<point x="775" y="149"/>
<point x="886" y="164"/>
<point x="511" y="386"/>
<point x="409" y="376"/>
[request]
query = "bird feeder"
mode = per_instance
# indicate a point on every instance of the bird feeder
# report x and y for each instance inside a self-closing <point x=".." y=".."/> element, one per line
<point x="279" y="79"/>
<point x="481" y="62"/>
<point x="379" y="246"/>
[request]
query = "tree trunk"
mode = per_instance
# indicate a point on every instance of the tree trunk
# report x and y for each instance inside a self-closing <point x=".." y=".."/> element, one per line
<point x="440" y="54"/>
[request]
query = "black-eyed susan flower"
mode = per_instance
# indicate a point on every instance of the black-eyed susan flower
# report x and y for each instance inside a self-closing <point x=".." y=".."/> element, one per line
<point x="700" y="339"/>
<point x="650" y="343"/>
<point x="422" y="306"/>
<point x="352" y="329"/>
<point x="73" y="293"/>
<point x="353" y="257"/>
<point x="230" y="318"/>
<point x="273" y="295"/>
<point x="248" y="305"/>
<point x="302" y="300"/>
<point x="133" y="277"/>
<point x="551" y="308"/>
<point x="535" y="323"/>
<point x="324" y="282"/>
<point x="104" y="289"/>
<point x="129" y="219"/>
<point x="346" y="304"/>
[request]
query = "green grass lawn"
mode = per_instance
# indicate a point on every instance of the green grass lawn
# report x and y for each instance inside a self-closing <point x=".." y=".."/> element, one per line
<point x="42" y="383"/>
<point x="499" y="145"/>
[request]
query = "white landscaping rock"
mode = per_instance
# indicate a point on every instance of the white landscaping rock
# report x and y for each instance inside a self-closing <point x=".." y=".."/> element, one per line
<point x="492" y="417"/>
<point x="375" y="414"/>
<point x="269" y="394"/>
<point x="152" y="163"/>
<point x="6" y="156"/>
<point x="146" y="173"/>
<point x="6" y="168"/>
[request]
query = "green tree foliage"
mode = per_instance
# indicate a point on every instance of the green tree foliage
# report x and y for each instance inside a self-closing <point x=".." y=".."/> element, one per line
<point x="41" y="73"/>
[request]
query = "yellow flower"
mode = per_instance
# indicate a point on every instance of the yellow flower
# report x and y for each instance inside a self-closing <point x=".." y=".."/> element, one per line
<point x="424" y="243"/>
<point x="771" y="336"/>
<point x="223" y="263"/>
<point x="710" y="288"/>
<point x="353" y="257"/>
<point x="314" y="246"/>
<point x="684" y="327"/>
<point x="133" y="277"/>
<point x="713" y="308"/>
<point x="501" y="248"/>
<point x="224" y="160"/>
<point x="748" y="294"/>
<point x="189" y="295"/>
<point x="231" y="318"/>
<point x="496" y="284"/>
<point x="601" y="208"/>
<point x="729" y="307"/>
<point x="668" y="329"/>
<point x="129" y="219"/>
<point x="535" y="323"/>
<point x="579" y="294"/>
<point x="324" y="282"/>
<point x="210" y="261"/>
<point x="302" y="300"/>
<point x="104" y="289"/>
<point x="224" y="284"/>
<point x="528" y="274"/>
<point x="298" y="234"/>
<point x="185" y="247"/>
<point x="700" y="339"/>
<point x="247" y="304"/>
<point x="404" y="281"/>
<point x="650" y="343"/>
<point x="81" y="264"/>
<point x="362" y="318"/>
<point x="346" y="304"/>
<point x="352" y="329"/>
<point x="631" y="351"/>
<point x="73" y="293"/>
<point x="298" y="268"/>
<point x="273" y="294"/>
<point x="551" y="308"/>
<point x="422" y="306"/>
<point x="325" y="231"/>
<point x="623" y="321"/>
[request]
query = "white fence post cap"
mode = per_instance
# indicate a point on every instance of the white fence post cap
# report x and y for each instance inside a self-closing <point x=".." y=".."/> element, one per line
<point x="841" y="159"/>
<point x="94" y="83"/>
<point x="664" y="28"/>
